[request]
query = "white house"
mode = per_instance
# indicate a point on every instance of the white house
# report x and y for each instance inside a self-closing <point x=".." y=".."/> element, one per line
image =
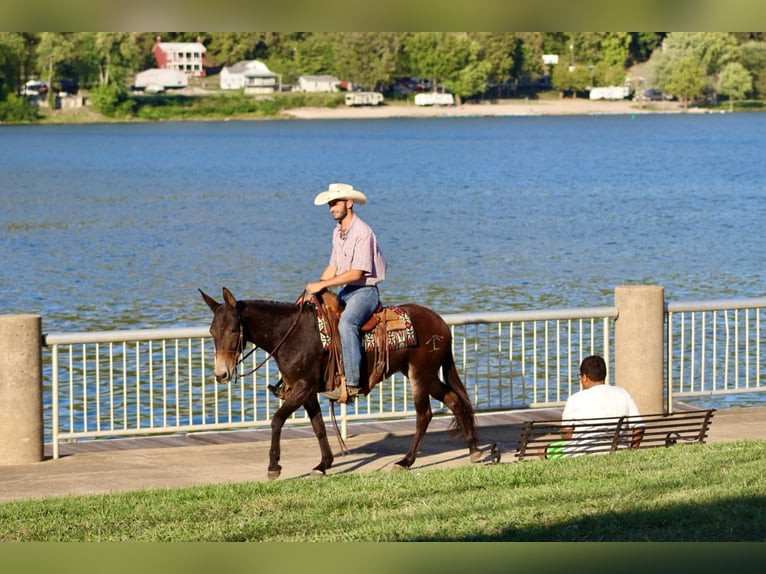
<point x="156" y="79"/>
<point x="252" y="76"/>
<point x="324" y="83"/>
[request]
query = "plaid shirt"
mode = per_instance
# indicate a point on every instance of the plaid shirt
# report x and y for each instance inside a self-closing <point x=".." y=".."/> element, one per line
<point x="358" y="249"/>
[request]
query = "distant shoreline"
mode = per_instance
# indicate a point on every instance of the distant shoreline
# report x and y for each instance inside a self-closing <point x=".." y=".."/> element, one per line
<point x="391" y="110"/>
<point x="560" y="107"/>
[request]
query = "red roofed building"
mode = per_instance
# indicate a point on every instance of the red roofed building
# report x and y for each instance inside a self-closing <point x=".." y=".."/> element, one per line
<point x="187" y="57"/>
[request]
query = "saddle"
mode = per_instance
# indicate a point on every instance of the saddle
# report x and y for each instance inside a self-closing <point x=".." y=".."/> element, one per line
<point x="380" y="323"/>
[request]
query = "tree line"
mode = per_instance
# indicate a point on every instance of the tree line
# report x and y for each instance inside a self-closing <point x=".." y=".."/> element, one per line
<point x="689" y="65"/>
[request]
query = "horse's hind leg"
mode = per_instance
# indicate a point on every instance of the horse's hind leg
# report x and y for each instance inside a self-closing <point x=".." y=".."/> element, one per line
<point x="463" y="418"/>
<point x="422" y="420"/>
<point x="317" y="423"/>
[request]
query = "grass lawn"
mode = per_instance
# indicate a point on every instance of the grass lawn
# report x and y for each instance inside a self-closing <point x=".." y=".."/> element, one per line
<point x="687" y="493"/>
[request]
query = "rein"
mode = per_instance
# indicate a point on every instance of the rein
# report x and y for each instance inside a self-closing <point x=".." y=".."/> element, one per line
<point x="343" y="447"/>
<point x="276" y="347"/>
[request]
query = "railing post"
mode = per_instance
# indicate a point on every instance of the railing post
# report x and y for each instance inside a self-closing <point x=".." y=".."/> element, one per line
<point x="21" y="413"/>
<point x="639" y="344"/>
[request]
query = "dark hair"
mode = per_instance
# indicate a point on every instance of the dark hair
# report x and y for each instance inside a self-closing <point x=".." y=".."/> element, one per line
<point x="594" y="367"/>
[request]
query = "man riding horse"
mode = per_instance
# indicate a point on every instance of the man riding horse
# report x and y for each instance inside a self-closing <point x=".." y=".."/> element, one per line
<point x="357" y="266"/>
<point x="290" y="334"/>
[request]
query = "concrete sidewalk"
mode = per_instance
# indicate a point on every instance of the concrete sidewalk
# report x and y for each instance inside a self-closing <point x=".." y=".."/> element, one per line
<point x="241" y="456"/>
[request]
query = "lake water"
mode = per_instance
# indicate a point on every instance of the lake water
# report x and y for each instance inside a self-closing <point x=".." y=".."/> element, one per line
<point x="116" y="226"/>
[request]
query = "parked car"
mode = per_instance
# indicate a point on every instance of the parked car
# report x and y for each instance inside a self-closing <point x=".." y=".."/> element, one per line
<point x="652" y="94"/>
<point x="35" y="88"/>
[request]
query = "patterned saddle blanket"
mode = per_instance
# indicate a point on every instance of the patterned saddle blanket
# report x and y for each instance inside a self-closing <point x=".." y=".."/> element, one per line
<point x="402" y="334"/>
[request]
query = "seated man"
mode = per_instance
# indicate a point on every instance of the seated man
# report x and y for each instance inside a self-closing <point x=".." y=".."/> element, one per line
<point x="595" y="400"/>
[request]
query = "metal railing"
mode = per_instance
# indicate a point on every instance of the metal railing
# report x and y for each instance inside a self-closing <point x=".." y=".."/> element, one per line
<point x="159" y="381"/>
<point x="715" y="348"/>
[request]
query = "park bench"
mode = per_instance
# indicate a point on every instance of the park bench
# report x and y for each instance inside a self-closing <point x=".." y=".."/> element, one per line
<point x="608" y="436"/>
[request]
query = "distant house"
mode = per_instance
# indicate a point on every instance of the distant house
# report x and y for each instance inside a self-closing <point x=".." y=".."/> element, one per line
<point x="157" y="80"/>
<point x="252" y="76"/>
<point x="324" y="83"/>
<point x="186" y="57"/>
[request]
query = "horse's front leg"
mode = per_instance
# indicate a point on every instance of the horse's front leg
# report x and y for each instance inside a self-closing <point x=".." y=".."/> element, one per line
<point x="317" y="423"/>
<point x="277" y="422"/>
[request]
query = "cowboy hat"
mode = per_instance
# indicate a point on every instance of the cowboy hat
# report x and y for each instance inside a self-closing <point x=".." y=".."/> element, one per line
<point x="340" y="191"/>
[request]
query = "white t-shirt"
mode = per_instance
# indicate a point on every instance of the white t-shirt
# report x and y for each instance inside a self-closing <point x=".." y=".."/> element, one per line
<point x="597" y="402"/>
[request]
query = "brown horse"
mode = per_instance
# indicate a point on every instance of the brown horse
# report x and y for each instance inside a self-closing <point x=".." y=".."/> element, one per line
<point x="290" y="331"/>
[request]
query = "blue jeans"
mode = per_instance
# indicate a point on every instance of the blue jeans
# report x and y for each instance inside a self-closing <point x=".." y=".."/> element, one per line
<point x="360" y="303"/>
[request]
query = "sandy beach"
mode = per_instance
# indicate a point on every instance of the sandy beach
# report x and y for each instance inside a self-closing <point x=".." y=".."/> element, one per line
<point x="564" y="106"/>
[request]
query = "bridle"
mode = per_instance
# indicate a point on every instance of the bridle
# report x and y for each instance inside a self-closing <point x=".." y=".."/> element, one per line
<point x="241" y="345"/>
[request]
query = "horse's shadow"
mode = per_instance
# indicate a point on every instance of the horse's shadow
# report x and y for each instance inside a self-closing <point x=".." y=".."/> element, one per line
<point x="440" y="448"/>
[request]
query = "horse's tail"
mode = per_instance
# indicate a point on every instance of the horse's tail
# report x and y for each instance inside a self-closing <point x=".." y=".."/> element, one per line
<point x="454" y="382"/>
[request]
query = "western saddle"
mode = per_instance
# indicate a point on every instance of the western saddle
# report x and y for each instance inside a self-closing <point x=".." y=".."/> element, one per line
<point x="383" y="320"/>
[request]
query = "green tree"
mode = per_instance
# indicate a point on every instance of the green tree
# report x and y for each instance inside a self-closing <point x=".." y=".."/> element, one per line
<point x="528" y="56"/>
<point x="643" y="44"/>
<point x="54" y="49"/>
<point x="687" y="80"/>
<point x="470" y="80"/>
<point x="447" y="58"/>
<point x="565" y="80"/>
<point x="314" y="53"/>
<point x="281" y="52"/>
<point x="585" y="48"/>
<point x="498" y="51"/>
<point x="11" y="55"/>
<point x="368" y="59"/>
<point x="735" y="81"/>
<point x="16" y="55"/>
<point x="604" y="74"/>
<point x="20" y="58"/>
<point x="713" y="50"/>
<point x="115" y="55"/>
<point x="615" y="49"/>
<point x="227" y="48"/>
<point x="753" y="58"/>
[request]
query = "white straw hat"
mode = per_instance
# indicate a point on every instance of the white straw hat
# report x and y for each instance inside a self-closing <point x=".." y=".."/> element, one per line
<point x="340" y="191"/>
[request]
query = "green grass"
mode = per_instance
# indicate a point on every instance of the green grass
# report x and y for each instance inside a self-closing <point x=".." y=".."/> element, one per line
<point x="220" y="106"/>
<point x="686" y="493"/>
<point x="171" y="106"/>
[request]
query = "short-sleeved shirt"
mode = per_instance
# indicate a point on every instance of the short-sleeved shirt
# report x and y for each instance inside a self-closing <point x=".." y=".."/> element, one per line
<point x="598" y="401"/>
<point x="358" y="249"/>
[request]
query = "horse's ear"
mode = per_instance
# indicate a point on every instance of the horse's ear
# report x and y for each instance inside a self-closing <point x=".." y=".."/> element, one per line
<point x="231" y="301"/>
<point x="212" y="303"/>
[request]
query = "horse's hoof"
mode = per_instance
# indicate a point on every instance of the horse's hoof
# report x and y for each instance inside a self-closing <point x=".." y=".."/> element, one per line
<point x="495" y="453"/>
<point x="400" y="466"/>
<point x="476" y="456"/>
<point x="318" y="472"/>
<point x="273" y="474"/>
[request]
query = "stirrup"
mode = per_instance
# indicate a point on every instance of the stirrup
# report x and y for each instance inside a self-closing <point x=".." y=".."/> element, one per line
<point x="338" y="395"/>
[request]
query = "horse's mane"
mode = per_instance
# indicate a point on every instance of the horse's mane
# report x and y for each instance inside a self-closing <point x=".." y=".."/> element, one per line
<point x="262" y="303"/>
<point x="326" y="298"/>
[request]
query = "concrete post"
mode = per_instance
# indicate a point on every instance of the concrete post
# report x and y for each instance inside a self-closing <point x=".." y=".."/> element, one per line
<point x="21" y="409"/>
<point x="639" y="345"/>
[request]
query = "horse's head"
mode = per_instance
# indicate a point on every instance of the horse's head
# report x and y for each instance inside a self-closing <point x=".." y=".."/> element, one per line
<point x="226" y="330"/>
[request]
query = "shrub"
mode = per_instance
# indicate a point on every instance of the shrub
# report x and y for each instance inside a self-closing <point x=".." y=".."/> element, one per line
<point x="112" y="101"/>
<point x="16" y="109"/>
